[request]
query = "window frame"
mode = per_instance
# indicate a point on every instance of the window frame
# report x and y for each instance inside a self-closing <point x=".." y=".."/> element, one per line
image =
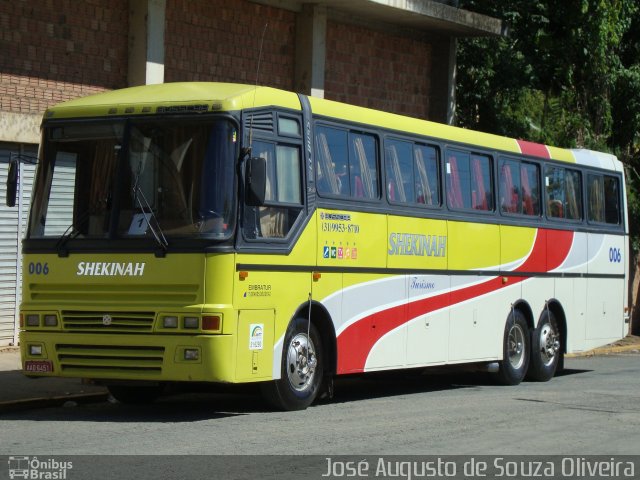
<point x="491" y="210"/>
<point x="350" y="131"/>
<point x="603" y="176"/>
<point x="579" y="196"/>
<point x="414" y="144"/>
<point x="520" y="162"/>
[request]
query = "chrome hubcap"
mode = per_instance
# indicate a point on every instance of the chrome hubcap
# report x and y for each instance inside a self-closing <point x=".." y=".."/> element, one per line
<point x="515" y="347"/>
<point x="301" y="362"/>
<point x="549" y="344"/>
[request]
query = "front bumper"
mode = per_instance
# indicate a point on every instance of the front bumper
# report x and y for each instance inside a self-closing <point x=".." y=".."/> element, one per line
<point x="156" y="358"/>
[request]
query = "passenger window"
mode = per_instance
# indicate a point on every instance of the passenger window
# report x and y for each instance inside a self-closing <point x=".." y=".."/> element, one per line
<point x="412" y="173"/>
<point x="469" y="183"/>
<point x="603" y="199"/>
<point x="399" y="166"/>
<point x="427" y="175"/>
<point x="563" y="193"/>
<point x="612" y="200"/>
<point x="347" y="164"/>
<point x="519" y="190"/>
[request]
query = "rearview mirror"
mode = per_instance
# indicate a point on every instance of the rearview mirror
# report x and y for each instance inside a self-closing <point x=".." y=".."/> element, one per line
<point x="12" y="182"/>
<point x="256" y="181"/>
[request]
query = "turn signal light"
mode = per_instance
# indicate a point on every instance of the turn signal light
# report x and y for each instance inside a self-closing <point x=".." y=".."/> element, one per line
<point x="211" y="322"/>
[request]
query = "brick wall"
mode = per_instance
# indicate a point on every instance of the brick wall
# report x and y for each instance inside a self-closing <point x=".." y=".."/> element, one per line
<point x="55" y="50"/>
<point x="219" y="40"/>
<point x="377" y="70"/>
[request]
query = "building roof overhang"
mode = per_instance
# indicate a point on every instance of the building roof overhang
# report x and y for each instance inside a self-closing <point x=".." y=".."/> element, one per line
<point x="429" y="15"/>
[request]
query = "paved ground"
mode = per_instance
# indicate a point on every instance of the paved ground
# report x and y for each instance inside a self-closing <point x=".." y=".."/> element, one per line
<point x="19" y="392"/>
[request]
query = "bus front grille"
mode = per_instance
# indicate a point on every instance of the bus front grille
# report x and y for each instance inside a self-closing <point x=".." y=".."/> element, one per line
<point x="110" y="359"/>
<point x="116" y="322"/>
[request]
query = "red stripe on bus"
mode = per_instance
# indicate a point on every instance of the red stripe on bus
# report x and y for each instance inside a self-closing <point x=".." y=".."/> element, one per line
<point x="354" y="344"/>
<point x="534" y="149"/>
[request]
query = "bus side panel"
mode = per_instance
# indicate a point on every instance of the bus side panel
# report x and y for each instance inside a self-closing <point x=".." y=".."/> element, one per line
<point x="605" y="311"/>
<point x="475" y="331"/>
<point x="573" y="264"/>
<point x="354" y="302"/>
<point x="577" y="318"/>
<point x="383" y="303"/>
<point x="428" y="333"/>
<point x="418" y="243"/>
<point x="255" y="345"/>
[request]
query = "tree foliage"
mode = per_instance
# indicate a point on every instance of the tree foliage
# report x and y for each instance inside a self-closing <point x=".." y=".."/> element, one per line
<point x="566" y="74"/>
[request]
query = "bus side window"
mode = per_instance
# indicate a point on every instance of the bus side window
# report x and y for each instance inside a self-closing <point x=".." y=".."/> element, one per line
<point x="469" y="182"/>
<point x="530" y="181"/>
<point x="564" y="193"/>
<point x="283" y="187"/>
<point x="518" y="187"/>
<point x="481" y="191"/>
<point x="363" y="172"/>
<point x="426" y="167"/>
<point x="331" y="148"/>
<point x="347" y="163"/>
<point x="399" y="168"/>
<point x="510" y="187"/>
<point x="611" y="200"/>
<point x="603" y="199"/>
<point x="574" y="195"/>
<point x="595" y="194"/>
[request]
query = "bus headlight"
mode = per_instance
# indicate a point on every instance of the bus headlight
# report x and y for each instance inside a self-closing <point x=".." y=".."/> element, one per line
<point x="33" y="320"/>
<point x="50" y="320"/>
<point x="170" y="322"/>
<point x="191" y="322"/>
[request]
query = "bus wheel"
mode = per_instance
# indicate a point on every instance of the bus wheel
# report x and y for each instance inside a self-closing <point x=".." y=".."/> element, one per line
<point x="515" y="350"/>
<point x="302" y="369"/>
<point x="545" y="349"/>
<point x="135" y="394"/>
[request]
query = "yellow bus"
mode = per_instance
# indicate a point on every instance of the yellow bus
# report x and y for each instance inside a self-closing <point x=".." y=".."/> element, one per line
<point x="214" y="232"/>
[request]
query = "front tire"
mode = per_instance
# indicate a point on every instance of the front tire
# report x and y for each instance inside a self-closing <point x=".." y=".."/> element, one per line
<point x="545" y="349"/>
<point x="302" y="369"/>
<point x="515" y="350"/>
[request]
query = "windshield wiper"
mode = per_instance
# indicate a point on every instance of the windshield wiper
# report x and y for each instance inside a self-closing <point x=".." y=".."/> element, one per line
<point x="71" y="232"/>
<point x="148" y="214"/>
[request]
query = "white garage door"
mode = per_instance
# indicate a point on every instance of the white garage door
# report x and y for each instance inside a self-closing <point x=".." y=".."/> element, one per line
<point x="12" y="229"/>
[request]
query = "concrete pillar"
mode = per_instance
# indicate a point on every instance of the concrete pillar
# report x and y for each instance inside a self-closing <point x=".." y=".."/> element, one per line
<point x="442" y="102"/>
<point x="146" y="41"/>
<point x="311" y="46"/>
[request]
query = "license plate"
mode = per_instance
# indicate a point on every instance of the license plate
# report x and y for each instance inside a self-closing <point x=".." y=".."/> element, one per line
<point x="38" y="366"/>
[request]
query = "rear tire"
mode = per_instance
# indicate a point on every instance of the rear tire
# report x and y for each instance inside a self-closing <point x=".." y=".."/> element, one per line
<point x="515" y="350"/>
<point x="301" y="366"/>
<point x="545" y="349"/>
<point x="136" y="394"/>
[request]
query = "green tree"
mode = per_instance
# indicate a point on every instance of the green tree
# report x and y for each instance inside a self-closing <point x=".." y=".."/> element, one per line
<point x="553" y="77"/>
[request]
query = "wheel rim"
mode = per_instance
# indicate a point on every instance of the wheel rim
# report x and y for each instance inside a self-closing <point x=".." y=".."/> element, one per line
<point x="301" y="362"/>
<point x="515" y="346"/>
<point x="549" y="342"/>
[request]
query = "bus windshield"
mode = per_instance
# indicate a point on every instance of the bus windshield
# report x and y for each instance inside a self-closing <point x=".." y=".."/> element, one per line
<point x="136" y="178"/>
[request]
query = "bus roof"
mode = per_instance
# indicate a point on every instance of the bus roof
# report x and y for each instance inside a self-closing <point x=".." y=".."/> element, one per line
<point x="200" y="97"/>
<point x="187" y="97"/>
